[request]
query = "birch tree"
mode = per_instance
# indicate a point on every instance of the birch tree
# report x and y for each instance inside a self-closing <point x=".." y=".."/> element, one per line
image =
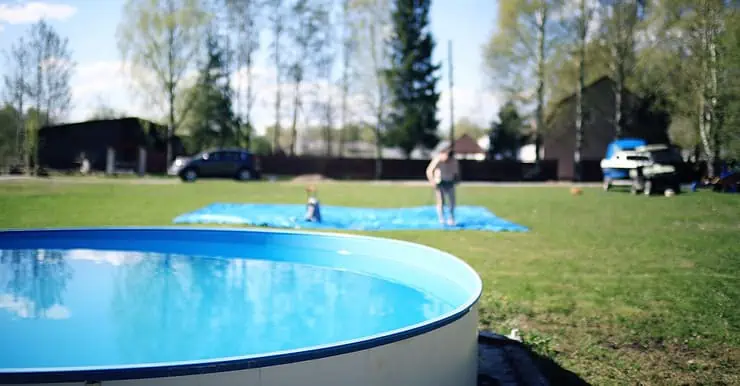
<point x="304" y="33"/>
<point x="17" y="60"/>
<point x="348" y="50"/>
<point x="244" y="21"/>
<point x="49" y="87"/>
<point x="690" y="62"/>
<point x="325" y="58"/>
<point x="159" y="39"/>
<point x="370" y="31"/>
<point x="621" y="20"/>
<point x="582" y="20"/>
<point x="277" y="18"/>
<point x="517" y="53"/>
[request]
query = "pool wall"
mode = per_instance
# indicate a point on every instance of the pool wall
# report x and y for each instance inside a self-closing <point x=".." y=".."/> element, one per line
<point x="441" y="351"/>
<point x="447" y="356"/>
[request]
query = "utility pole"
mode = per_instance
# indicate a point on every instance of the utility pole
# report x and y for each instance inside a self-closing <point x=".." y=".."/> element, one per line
<point x="452" y="106"/>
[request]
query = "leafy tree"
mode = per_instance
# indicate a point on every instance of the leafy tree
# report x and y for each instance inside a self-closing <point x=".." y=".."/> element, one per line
<point x="103" y="111"/>
<point x="506" y="134"/>
<point x="412" y="78"/>
<point x="8" y="135"/>
<point x="527" y="35"/>
<point x="691" y="62"/>
<point x="159" y="39"/>
<point x="564" y="65"/>
<point x="466" y="126"/>
<point x="261" y="145"/>
<point x="211" y="120"/>
<point x="729" y="93"/>
<point x="620" y="25"/>
<point x="283" y="138"/>
<point x="359" y="132"/>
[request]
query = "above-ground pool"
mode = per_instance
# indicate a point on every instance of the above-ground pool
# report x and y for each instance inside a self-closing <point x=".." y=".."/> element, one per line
<point x="193" y="306"/>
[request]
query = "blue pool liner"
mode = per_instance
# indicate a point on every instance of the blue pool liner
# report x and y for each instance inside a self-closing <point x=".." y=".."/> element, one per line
<point x="346" y="218"/>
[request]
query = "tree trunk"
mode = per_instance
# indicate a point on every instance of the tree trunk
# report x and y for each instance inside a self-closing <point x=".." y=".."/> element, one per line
<point x="708" y="95"/>
<point x="345" y="79"/>
<point x="378" y="151"/>
<point x="294" y="126"/>
<point x="278" y="93"/>
<point x="582" y="24"/>
<point x="249" y="101"/>
<point x="170" y="86"/>
<point x="541" y="38"/>
<point x="328" y="129"/>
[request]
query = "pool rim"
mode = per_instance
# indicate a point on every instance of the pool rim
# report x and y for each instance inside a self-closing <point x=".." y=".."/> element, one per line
<point x="245" y="362"/>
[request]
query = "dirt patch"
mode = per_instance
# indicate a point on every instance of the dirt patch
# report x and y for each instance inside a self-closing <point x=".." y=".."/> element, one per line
<point x="310" y="178"/>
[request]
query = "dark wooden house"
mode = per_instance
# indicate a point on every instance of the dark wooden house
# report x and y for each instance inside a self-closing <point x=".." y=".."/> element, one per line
<point x="61" y="146"/>
<point x="559" y="136"/>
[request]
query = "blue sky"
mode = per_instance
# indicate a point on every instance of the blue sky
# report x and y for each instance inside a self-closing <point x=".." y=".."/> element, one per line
<point x="91" y="26"/>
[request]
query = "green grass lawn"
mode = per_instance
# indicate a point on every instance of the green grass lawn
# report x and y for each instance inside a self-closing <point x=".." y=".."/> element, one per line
<point x="619" y="289"/>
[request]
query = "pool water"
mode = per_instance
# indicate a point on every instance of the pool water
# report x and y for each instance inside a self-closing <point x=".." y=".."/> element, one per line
<point x="80" y="308"/>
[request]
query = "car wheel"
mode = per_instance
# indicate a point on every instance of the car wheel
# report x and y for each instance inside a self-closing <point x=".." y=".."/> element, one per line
<point x="189" y="175"/>
<point x="244" y="175"/>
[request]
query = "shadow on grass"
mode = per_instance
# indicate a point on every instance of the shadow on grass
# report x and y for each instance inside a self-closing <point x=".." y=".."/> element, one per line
<point x="506" y="362"/>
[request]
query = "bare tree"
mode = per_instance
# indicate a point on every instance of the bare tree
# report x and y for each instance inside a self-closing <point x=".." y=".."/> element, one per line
<point x="162" y="38"/>
<point x="16" y="88"/>
<point x="325" y="58"/>
<point x="306" y="40"/>
<point x="243" y="19"/>
<point x="348" y="48"/>
<point x="49" y="88"/>
<point x="277" y="17"/>
<point x="373" y="24"/>
<point x="41" y="66"/>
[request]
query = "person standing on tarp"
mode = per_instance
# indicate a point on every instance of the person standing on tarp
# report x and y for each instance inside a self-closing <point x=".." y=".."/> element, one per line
<point x="443" y="173"/>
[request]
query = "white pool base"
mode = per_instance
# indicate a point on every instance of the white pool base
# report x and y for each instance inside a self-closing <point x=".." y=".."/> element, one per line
<point x="447" y="356"/>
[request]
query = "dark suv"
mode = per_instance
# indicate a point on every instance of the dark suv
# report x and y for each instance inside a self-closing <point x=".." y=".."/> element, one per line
<point x="223" y="163"/>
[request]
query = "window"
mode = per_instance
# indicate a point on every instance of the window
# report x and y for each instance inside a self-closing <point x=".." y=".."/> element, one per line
<point x="637" y="158"/>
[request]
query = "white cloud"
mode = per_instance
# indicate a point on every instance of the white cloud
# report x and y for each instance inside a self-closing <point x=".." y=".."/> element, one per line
<point x="23" y="307"/>
<point x="110" y="257"/>
<point x="30" y="12"/>
<point x="109" y="83"/>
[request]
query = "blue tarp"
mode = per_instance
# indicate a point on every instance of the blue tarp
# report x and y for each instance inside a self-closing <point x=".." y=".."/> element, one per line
<point x="346" y="218"/>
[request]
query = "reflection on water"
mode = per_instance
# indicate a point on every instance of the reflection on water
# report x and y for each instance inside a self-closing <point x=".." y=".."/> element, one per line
<point x="118" y="308"/>
<point x="32" y="283"/>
